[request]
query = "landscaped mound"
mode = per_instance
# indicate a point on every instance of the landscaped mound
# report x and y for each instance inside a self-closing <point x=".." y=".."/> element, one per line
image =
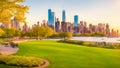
<point x="21" y="61"/>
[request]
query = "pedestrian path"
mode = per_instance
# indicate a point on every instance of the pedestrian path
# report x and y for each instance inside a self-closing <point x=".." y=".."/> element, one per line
<point x="8" y="50"/>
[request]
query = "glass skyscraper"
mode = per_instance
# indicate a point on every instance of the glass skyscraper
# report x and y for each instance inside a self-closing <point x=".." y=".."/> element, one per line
<point x="63" y="16"/>
<point x="75" y="20"/>
<point x="51" y="18"/>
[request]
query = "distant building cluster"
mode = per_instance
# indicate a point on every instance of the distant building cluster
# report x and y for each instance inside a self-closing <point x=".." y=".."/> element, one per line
<point x="78" y="27"/>
<point x="62" y="26"/>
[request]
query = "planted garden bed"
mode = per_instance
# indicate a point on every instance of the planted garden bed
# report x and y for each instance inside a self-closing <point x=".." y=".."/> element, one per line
<point x="21" y="61"/>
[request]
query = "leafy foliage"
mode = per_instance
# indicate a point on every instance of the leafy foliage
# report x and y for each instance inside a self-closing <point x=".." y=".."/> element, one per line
<point x="98" y="34"/>
<point x="11" y="32"/>
<point x="92" y="44"/>
<point x="21" y="61"/>
<point x="1" y="32"/>
<point x="65" y="35"/>
<point x="12" y="9"/>
<point x="41" y="32"/>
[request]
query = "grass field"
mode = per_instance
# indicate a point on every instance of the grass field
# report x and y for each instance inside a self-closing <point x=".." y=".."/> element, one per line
<point x="63" y="55"/>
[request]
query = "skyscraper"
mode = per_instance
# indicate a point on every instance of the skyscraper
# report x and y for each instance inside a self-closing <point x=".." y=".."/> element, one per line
<point x="51" y="18"/>
<point x="57" y="25"/>
<point x="63" y="16"/>
<point x="75" y="20"/>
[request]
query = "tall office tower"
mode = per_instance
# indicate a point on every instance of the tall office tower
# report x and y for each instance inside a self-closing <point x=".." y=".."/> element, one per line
<point x="57" y="25"/>
<point x="107" y="30"/>
<point x="63" y="16"/>
<point x="81" y="27"/>
<point x="100" y="27"/>
<point x="70" y="27"/>
<point x="76" y="21"/>
<point x="91" y="28"/>
<point x="51" y="18"/>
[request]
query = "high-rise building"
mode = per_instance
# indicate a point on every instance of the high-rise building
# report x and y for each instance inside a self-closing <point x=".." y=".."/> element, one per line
<point x="107" y="30"/>
<point x="57" y="25"/>
<point x="70" y="27"/>
<point x="64" y="26"/>
<point x="76" y="21"/>
<point x="51" y="18"/>
<point x="63" y="16"/>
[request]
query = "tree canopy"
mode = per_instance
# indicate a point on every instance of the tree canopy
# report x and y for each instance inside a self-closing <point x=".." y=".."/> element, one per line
<point x="65" y="35"/>
<point x="41" y="32"/>
<point x="10" y="9"/>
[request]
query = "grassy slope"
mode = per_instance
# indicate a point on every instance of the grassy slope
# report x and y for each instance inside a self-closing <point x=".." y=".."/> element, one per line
<point x="63" y="55"/>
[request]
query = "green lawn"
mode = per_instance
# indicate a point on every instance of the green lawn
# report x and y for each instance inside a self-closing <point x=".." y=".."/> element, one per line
<point x="63" y="55"/>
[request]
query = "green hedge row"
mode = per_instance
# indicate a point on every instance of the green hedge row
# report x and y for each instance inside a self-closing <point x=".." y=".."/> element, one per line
<point x="92" y="44"/>
<point x="72" y="42"/>
<point x="21" y="61"/>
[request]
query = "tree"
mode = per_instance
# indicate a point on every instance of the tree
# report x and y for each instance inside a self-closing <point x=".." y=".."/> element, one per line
<point x="1" y="32"/>
<point x="49" y="31"/>
<point x="9" y="33"/>
<point x="17" y="33"/>
<point x="65" y="35"/>
<point x="10" y="9"/>
<point x="41" y="32"/>
<point x="69" y="35"/>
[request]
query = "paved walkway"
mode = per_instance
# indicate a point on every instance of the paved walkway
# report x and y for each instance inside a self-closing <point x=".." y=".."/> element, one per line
<point x="7" y="50"/>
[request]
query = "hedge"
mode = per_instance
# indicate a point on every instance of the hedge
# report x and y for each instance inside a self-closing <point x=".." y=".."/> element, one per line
<point x="21" y="61"/>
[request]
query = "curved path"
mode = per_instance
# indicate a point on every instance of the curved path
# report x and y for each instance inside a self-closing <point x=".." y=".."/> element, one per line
<point x="8" y="50"/>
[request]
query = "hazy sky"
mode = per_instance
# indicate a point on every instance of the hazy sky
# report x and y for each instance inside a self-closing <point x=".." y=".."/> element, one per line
<point x="91" y="11"/>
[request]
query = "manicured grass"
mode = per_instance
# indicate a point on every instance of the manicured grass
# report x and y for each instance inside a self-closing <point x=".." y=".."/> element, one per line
<point x="63" y="55"/>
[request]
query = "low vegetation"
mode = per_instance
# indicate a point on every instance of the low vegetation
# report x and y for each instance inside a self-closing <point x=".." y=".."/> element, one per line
<point x="96" y="34"/>
<point x="92" y="44"/>
<point x="21" y="61"/>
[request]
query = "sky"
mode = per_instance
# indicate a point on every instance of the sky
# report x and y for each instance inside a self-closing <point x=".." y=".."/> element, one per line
<point x="91" y="11"/>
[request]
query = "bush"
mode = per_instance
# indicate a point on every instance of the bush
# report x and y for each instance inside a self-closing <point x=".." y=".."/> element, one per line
<point x="21" y="61"/>
<point x="12" y="44"/>
<point x="98" y="34"/>
<point x="72" y="42"/>
<point x="92" y="44"/>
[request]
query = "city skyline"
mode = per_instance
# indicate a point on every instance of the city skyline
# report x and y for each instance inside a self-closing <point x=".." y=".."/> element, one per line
<point x="91" y="11"/>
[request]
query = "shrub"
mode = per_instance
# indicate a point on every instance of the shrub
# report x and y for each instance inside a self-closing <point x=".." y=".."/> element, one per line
<point x="72" y="42"/>
<point x="12" y="44"/>
<point x="93" y="44"/>
<point x="21" y="61"/>
<point x="98" y="34"/>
